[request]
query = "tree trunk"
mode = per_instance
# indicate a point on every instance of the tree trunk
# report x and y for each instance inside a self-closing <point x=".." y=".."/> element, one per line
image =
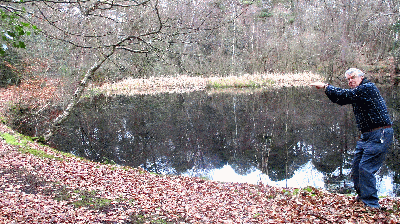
<point x="76" y="97"/>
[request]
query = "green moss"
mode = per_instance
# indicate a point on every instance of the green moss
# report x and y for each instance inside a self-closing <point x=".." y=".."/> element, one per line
<point x="154" y="173"/>
<point x="265" y="14"/>
<point x="107" y="161"/>
<point x="91" y="201"/>
<point x="10" y="139"/>
<point x="204" y="178"/>
<point x="159" y="221"/>
<point x="3" y="120"/>
<point x="62" y="194"/>
<point x="308" y="189"/>
<point x="84" y="198"/>
<point x="247" y="3"/>
<point x="396" y="207"/>
<point x="139" y="219"/>
<point x="22" y="141"/>
<point x="38" y="153"/>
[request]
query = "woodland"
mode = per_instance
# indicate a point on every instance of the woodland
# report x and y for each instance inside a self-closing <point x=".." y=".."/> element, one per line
<point x="74" y="43"/>
<point x="53" y="53"/>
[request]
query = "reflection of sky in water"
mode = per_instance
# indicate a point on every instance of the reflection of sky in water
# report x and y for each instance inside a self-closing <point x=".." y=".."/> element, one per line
<point x="305" y="176"/>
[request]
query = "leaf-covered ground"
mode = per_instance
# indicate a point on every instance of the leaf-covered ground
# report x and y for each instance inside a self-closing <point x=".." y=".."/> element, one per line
<point x="41" y="185"/>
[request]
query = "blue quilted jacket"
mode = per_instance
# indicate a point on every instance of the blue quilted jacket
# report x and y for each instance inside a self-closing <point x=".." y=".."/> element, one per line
<point x="368" y="105"/>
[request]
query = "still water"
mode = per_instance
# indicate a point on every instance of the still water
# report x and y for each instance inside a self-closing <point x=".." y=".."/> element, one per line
<point x="292" y="137"/>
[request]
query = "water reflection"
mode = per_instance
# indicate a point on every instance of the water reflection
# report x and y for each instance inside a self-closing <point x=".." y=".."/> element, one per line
<point x="280" y="135"/>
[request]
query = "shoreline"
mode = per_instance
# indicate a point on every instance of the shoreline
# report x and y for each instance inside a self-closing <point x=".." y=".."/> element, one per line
<point x="183" y="83"/>
<point x="42" y="185"/>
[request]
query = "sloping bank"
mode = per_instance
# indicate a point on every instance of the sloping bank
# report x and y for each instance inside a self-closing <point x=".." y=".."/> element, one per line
<point x="41" y="185"/>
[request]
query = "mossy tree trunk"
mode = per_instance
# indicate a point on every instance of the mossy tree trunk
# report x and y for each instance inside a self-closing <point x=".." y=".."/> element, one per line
<point x="55" y="125"/>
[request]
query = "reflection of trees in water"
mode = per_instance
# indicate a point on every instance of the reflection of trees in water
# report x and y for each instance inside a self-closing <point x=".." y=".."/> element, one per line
<point x="393" y="156"/>
<point x="275" y="131"/>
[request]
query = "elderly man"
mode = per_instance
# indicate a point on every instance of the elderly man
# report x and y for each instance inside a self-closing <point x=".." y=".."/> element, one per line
<point x="375" y="126"/>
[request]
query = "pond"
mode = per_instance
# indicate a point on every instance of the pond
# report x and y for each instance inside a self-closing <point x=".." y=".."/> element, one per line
<point x="289" y="137"/>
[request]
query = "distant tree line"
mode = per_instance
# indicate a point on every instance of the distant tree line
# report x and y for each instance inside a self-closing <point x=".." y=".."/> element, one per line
<point x="211" y="37"/>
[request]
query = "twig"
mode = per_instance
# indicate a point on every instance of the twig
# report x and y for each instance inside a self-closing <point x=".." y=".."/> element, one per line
<point x="320" y="217"/>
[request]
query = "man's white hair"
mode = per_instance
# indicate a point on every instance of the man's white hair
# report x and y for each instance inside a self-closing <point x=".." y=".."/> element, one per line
<point x="356" y="71"/>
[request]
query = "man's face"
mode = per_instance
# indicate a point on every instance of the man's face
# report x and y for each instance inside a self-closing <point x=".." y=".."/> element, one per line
<point x="354" y="80"/>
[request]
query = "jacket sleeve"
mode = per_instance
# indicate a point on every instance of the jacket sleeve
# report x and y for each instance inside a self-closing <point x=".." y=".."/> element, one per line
<point x="341" y="96"/>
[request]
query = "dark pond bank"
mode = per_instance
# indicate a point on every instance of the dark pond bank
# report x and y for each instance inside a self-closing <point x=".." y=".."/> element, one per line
<point x="289" y="137"/>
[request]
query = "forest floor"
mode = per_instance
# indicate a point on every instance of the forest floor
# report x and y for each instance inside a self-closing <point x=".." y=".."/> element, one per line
<point x="41" y="185"/>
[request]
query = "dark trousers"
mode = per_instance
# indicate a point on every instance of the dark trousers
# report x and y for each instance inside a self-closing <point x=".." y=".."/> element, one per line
<point x="369" y="156"/>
